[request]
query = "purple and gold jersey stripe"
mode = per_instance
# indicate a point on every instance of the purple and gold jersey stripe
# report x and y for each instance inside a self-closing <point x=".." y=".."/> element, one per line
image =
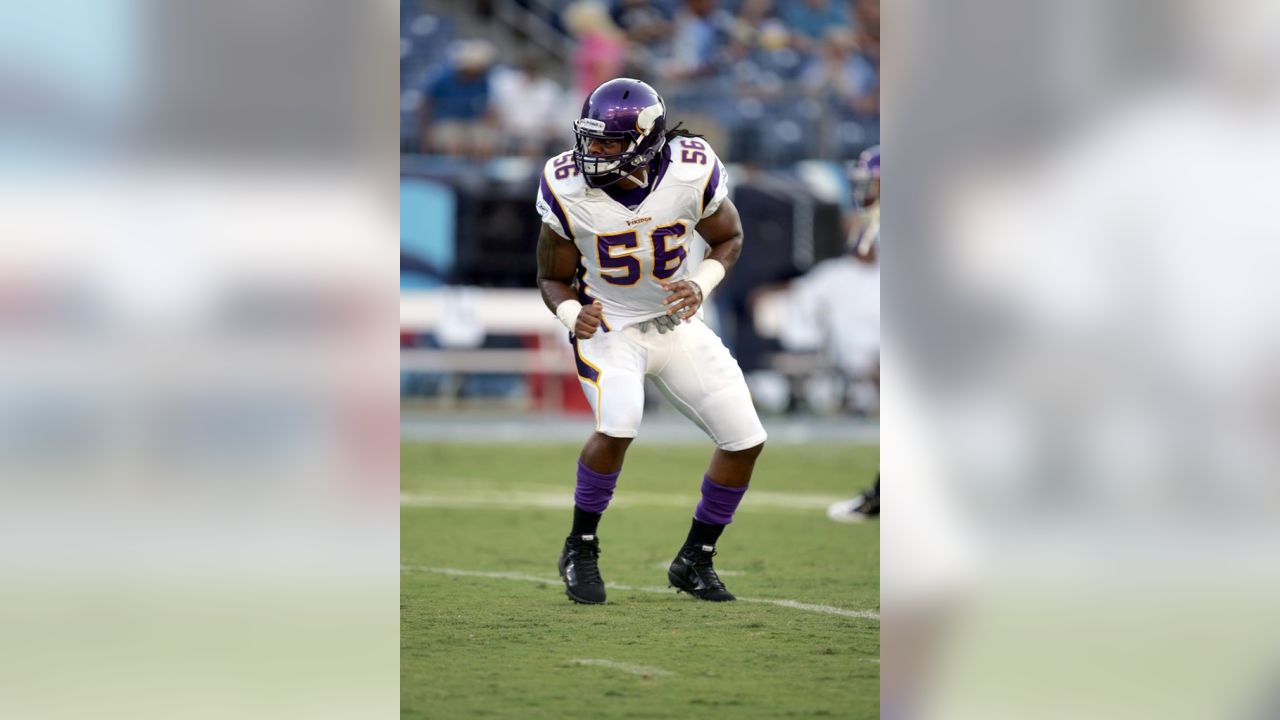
<point x="713" y="184"/>
<point x="549" y="197"/>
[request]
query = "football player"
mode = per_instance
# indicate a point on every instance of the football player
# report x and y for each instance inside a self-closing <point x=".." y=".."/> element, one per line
<point x="864" y="230"/>
<point x="864" y="241"/>
<point x="620" y="214"/>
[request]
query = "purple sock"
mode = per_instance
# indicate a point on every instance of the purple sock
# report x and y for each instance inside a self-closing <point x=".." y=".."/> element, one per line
<point x="594" y="490"/>
<point x="718" y="503"/>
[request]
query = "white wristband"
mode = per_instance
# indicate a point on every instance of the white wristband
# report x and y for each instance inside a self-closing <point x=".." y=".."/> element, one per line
<point x="568" y="311"/>
<point x="708" y="276"/>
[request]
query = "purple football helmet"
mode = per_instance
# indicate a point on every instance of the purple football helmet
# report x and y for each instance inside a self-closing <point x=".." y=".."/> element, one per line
<point x="866" y="178"/>
<point x="624" y="110"/>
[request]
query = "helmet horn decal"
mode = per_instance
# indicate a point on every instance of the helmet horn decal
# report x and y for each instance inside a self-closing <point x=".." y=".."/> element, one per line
<point x="647" y="116"/>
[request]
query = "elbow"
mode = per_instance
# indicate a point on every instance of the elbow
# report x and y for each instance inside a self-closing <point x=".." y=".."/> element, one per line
<point x="735" y="238"/>
<point x="732" y="249"/>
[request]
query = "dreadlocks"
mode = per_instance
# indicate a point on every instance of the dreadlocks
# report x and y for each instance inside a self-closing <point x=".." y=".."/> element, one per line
<point x="679" y="131"/>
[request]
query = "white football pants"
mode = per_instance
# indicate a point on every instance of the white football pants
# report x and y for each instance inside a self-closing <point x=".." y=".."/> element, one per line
<point x="688" y="364"/>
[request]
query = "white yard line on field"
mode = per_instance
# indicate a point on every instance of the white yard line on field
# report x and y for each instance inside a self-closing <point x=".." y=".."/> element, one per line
<point x="478" y="573"/>
<point x="624" y="667"/>
<point x="563" y="499"/>
<point x="827" y="609"/>
<point x="792" y="604"/>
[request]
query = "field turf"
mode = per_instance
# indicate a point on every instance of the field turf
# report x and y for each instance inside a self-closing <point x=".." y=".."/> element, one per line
<point x="487" y="632"/>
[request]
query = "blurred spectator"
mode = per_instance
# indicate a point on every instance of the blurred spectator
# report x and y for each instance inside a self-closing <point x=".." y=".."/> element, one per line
<point x="867" y="13"/>
<point x="845" y="78"/>
<point x="456" y="114"/>
<point x="867" y="39"/>
<point x="528" y="106"/>
<point x="754" y="12"/>
<point x="745" y="65"/>
<point x="776" y="56"/>
<point x="644" y="23"/>
<point x="602" y="49"/>
<point x="812" y="19"/>
<point x="696" y="41"/>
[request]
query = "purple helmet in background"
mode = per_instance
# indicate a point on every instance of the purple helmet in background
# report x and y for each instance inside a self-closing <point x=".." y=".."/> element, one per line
<point x="866" y="178"/>
<point x="869" y="161"/>
<point x="623" y="110"/>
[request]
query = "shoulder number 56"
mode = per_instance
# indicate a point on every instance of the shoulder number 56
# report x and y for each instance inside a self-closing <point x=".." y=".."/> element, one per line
<point x="692" y="151"/>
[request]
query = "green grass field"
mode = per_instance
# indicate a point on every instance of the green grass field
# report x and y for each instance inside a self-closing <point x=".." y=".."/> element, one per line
<point x="486" y="630"/>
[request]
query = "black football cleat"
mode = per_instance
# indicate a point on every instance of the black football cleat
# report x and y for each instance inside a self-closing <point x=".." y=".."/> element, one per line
<point x="860" y="509"/>
<point x="864" y="507"/>
<point x="580" y="570"/>
<point x="692" y="572"/>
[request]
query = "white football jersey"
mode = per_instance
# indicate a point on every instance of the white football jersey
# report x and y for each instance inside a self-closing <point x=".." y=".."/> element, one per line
<point x="626" y="254"/>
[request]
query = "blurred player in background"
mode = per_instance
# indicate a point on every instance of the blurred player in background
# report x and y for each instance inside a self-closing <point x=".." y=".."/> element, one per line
<point x="864" y="230"/>
<point x="864" y="247"/>
<point x="620" y="212"/>
<point x="834" y="308"/>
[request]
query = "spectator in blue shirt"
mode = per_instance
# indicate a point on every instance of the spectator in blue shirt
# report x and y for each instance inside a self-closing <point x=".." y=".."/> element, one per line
<point x="812" y="19"/>
<point x="695" y="42"/>
<point x="456" y="114"/>
<point x="846" y="78"/>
